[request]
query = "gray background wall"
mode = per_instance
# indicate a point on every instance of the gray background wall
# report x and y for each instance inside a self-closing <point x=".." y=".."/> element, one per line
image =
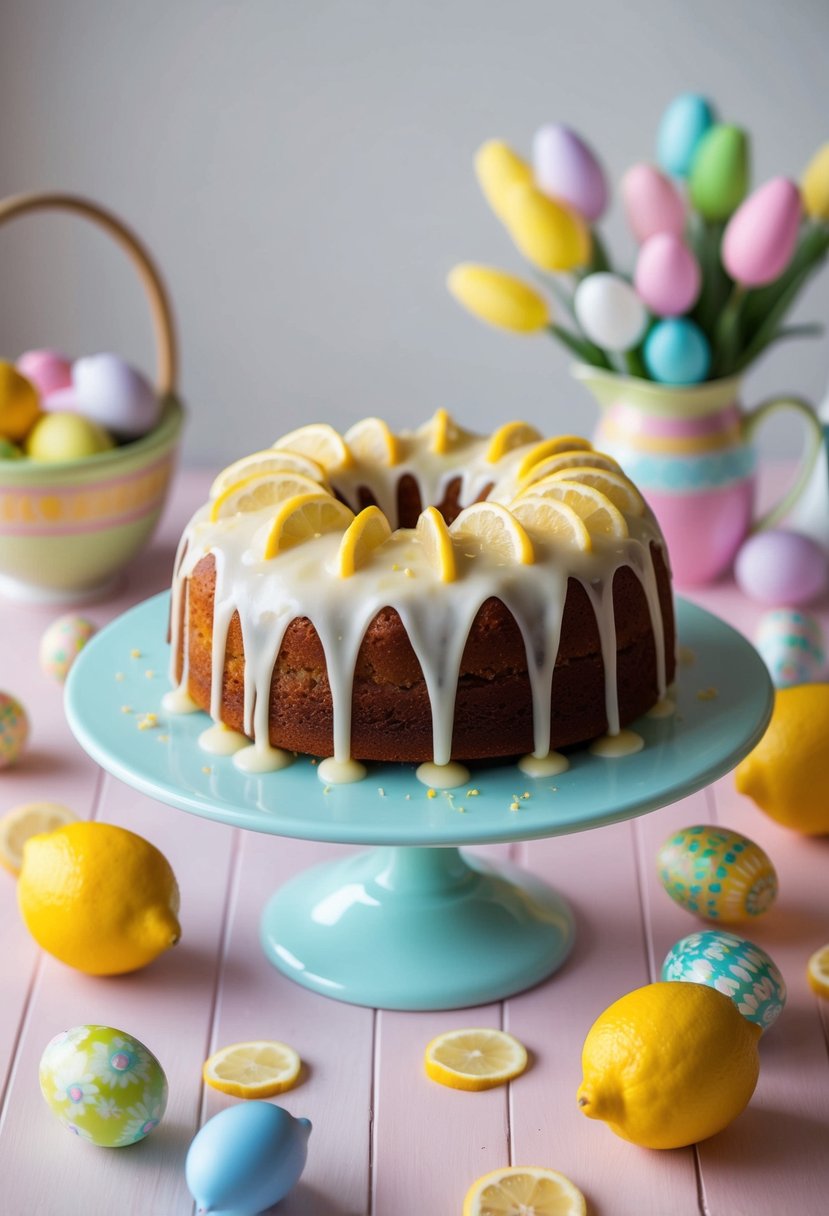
<point x="302" y="170"/>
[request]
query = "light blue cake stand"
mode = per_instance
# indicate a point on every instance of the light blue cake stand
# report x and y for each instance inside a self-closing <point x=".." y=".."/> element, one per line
<point x="409" y="925"/>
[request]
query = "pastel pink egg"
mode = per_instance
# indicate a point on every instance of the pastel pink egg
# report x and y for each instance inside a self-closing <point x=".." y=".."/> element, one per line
<point x="761" y="235"/>
<point x="652" y="203"/>
<point x="667" y="275"/>
<point x="781" y="568"/>
<point x="48" y="370"/>
<point x="567" y="169"/>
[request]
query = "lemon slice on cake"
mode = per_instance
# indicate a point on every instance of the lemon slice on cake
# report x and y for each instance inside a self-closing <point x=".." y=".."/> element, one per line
<point x="551" y="447"/>
<point x="363" y="535"/>
<point x="510" y="436"/>
<point x="436" y="540"/>
<point x="517" y="1190"/>
<point x="258" y="1069"/>
<point x="571" y="459"/>
<point x="552" y="519"/>
<point x="268" y="461"/>
<point x="260" y="490"/>
<point x="30" y="819"/>
<point x="474" y="1059"/>
<point x="372" y="443"/>
<point x="615" y="486"/>
<point x="320" y="442"/>
<point x="443" y="432"/>
<point x="303" y="518"/>
<point x="600" y="516"/>
<point x="490" y="528"/>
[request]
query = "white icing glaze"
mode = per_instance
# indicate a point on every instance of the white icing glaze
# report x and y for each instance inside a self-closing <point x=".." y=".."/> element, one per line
<point x="611" y="747"/>
<point x="442" y="776"/>
<point x="437" y="616"/>
<point x="178" y="701"/>
<point x="340" y="772"/>
<point x="220" y="740"/>
<point x="256" y="758"/>
<point x="544" y="766"/>
<point x="663" y="709"/>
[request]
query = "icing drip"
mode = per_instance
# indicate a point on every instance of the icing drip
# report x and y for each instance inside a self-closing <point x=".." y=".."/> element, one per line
<point x="442" y="776"/>
<point x="178" y="701"/>
<point x="623" y="743"/>
<point x="665" y="708"/>
<point x="341" y="772"/>
<point x="257" y="758"/>
<point x="544" y="766"/>
<point x="220" y="740"/>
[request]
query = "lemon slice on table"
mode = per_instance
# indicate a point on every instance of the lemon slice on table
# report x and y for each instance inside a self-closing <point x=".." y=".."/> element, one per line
<point x="509" y="436"/>
<point x="600" y="516"/>
<point x="436" y="540"/>
<point x="261" y="490"/>
<point x="517" y="1190"/>
<point x="363" y="535"/>
<point x="817" y="971"/>
<point x="615" y="486"/>
<point x="258" y="1069"/>
<point x="569" y="460"/>
<point x="551" y="519"/>
<point x="320" y="442"/>
<point x="268" y="461"/>
<point x="551" y="447"/>
<point x="372" y="442"/>
<point x="30" y="819"/>
<point x="491" y="528"/>
<point x="304" y="517"/>
<point x="474" y="1059"/>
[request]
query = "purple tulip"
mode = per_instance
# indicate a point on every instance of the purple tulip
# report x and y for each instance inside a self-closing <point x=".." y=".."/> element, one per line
<point x="567" y="170"/>
<point x="761" y="235"/>
<point x="652" y="203"/>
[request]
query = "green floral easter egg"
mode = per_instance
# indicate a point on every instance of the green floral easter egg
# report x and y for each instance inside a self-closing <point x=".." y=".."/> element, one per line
<point x="103" y="1085"/>
<point x="717" y="874"/>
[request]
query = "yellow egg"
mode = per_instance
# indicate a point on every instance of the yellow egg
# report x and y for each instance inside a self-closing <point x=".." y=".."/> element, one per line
<point x="19" y="403"/>
<point x="717" y="874"/>
<point x="64" y="436"/>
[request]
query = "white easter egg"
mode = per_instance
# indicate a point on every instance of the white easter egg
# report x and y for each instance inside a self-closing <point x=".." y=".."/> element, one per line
<point x="609" y="311"/>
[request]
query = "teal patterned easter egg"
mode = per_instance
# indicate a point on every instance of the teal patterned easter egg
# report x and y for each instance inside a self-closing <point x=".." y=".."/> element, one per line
<point x="717" y="874"/>
<point x="735" y="967"/>
<point x="103" y="1085"/>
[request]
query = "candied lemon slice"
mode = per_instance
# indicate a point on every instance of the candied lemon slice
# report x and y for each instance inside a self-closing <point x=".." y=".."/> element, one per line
<point x="320" y="442"/>
<point x="615" y="486"/>
<point x="551" y="447"/>
<point x="474" y="1059"/>
<point x="509" y="436"/>
<point x="268" y="461"/>
<point x="519" y="1189"/>
<point x="363" y="535"/>
<point x="434" y="536"/>
<point x="600" y="516"/>
<point x="372" y="442"/>
<point x="261" y="490"/>
<point x="30" y="819"/>
<point x="258" y="1069"/>
<point x="493" y="529"/>
<point x="551" y="519"/>
<point x="817" y="971"/>
<point x="303" y="518"/>
<point x="569" y="460"/>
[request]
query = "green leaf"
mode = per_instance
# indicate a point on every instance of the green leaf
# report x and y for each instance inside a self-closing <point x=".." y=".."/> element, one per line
<point x="585" y="350"/>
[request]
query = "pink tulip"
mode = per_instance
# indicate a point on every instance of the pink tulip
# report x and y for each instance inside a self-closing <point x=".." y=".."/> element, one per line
<point x="761" y="235"/>
<point x="567" y="170"/>
<point x="652" y="203"/>
<point x="667" y="275"/>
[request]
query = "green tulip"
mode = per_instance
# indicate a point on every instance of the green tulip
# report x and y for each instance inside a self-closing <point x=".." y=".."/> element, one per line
<point x="720" y="172"/>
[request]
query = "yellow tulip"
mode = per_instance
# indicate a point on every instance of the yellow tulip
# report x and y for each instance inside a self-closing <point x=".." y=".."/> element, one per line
<point x="814" y="185"/>
<point x="498" y="298"/>
<point x="499" y="169"/>
<point x="547" y="232"/>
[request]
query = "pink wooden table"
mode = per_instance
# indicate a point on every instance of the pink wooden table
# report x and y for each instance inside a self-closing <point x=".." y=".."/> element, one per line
<point x="387" y="1141"/>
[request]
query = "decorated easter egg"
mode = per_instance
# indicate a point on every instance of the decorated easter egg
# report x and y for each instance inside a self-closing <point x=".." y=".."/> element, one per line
<point x="779" y="567"/>
<point x="103" y="1085"/>
<point x="720" y="172"/>
<point x="761" y="235"/>
<point x="609" y="311"/>
<point x="62" y="643"/>
<point x="667" y="275"/>
<point x="567" y="169"/>
<point x="48" y="370"/>
<point x="14" y="729"/>
<point x="108" y="391"/>
<point x="63" y="436"/>
<point x="681" y="128"/>
<point x="9" y="450"/>
<point x="246" y="1158"/>
<point x="791" y="646"/>
<point x="733" y="966"/>
<point x="652" y="203"/>
<point x="677" y="352"/>
<point x="19" y="403"/>
<point x="717" y="874"/>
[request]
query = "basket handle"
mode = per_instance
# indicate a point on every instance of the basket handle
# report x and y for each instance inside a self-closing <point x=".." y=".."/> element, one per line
<point x="162" y="317"/>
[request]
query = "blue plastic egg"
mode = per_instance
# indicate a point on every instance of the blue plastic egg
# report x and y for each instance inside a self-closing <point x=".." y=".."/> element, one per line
<point x="246" y="1158"/>
<point x="791" y="646"/>
<point x="677" y="352"/>
<point x="717" y="874"/>
<point x="734" y="966"/>
<point x="683" y="125"/>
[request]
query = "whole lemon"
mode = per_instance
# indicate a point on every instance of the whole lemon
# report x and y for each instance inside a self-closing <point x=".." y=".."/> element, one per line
<point x="98" y="897"/>
<point x="64" y="436"/>
<point x="669" y="1064"/>
<point x="19" y="403"/>
<point x="787" y="774"/>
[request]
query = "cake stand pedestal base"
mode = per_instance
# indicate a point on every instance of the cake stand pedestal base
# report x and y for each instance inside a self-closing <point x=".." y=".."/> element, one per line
<point x="416" y="928"/>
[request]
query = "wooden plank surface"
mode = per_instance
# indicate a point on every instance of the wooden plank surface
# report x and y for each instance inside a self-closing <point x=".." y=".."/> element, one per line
<point x="386" y="1141"/>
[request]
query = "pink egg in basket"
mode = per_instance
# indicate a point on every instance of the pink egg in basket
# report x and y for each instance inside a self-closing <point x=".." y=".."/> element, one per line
<point x="73" y="514"/>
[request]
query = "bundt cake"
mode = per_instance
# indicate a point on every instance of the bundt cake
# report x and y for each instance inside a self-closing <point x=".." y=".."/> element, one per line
<point x="422" y="596"/>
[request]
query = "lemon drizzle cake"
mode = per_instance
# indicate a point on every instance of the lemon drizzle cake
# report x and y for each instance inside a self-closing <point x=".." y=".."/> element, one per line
<point x="419" y="597"/>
